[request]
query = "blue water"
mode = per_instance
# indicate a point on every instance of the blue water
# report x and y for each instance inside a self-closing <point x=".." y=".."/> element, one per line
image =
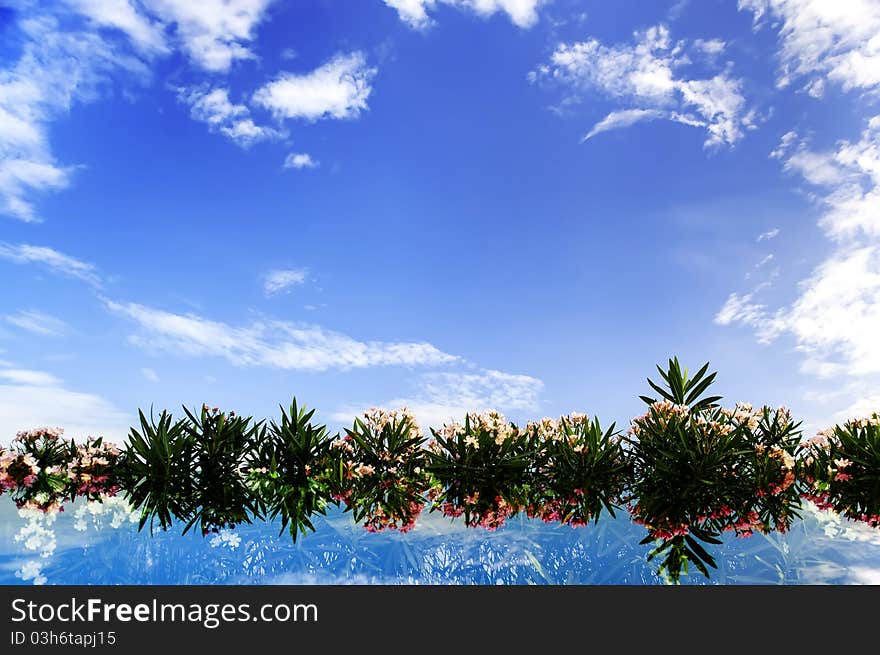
<point x="84" y="545"/>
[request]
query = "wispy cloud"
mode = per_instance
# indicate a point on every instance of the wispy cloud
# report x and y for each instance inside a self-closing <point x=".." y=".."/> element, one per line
<point x="523" y="13"/>
<point x="275" y="344"/>
<point x="824" y="41"/>
<point x="299" y="160"/>
<point x="146" y="34"/>
<point x="213" y="33"/>
<point x="623" y="118"/>
<point x="150" y="374"/>
<point x="28" y="377"/>
<point x="56" y="69"/>
<point x="212" y="106"/>
<point x="55" y="261"/>
<point x="769" y="234"/>
<point x="283" y="280"/>
<point x="835" y="319"/>
<point x="37" y="322"/>
<point x="648" y="76"/>
<point x="29" y="399"/>
<point x="338" y="89"/>
<point x="445" y="397"/>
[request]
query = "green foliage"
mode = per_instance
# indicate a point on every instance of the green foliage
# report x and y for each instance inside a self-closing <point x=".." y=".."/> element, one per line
<point x="290" y="471"/>
<point x="583" y="470"/>
<point x="842" y="469"/>
<point x="688" y="469"/>
<point x="218" y="444"/>
<point x="382" y="477"/>
<point x="482" y="469"/>
<point x="156" y="470"/>
<point x="682" y="390"/>
<point x="700" y="470"/>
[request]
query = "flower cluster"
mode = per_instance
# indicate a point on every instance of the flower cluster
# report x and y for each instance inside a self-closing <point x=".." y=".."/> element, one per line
<point x="383" y="477"/>
<point x="93" y="469"/>
<point x="482" y="469"/>
<point x="774" y="439"/>
<point x="581" y="470"/>
<point x="17" y="470"/>
<point x="842" y="470"/>
<point x="33" y="469"/>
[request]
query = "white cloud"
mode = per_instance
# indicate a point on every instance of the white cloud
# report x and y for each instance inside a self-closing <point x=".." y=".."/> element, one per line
<point x="55" y="70"/>
<point x="275" y="344"/>
<point x="413" y="12"/>
<point x="30" y="399"/>
<point x="646" y="76"/>
<point x="523" y="13"/>
<point x="445" y="397"/>
<point x="769" y="234"/>
<point x="214" y="33"/>
<point x="37" y="322"/>
<point x="299" y="160"/>
<point x="837" y="40"/>
<point x="710" y="46"/>
<point x="338" y="89"/>
<point x="623" y="118"/>
<point x="283" y="280"/>
<point x="24" y="376"/>
<point x="124" y="15"/>
<point x="741" y="309"/>
<point x="835" y="318"/>
<point x="55" y="261"/>
<point x="150" y="374"/>
<point x="212" y="106"/>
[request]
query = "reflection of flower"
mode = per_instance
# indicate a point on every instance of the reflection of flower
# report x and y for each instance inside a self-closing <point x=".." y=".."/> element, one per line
<point x="840" y="466"/>
<point x="225" y="537"/>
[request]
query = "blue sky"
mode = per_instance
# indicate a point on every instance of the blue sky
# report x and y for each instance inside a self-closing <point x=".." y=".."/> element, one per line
<point x="449" y="204"/>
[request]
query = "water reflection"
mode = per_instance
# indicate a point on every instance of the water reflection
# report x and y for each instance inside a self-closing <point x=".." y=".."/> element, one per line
<point x="94" y="543"/>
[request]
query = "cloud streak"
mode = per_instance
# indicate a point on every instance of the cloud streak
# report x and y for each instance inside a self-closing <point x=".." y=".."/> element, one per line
<point x="273" y="344"/>
<point x="57" y="262"/>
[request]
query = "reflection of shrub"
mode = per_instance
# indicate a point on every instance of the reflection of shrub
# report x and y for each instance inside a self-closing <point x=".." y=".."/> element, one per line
<point x="34" y="469"/>
<point x="481" y="469"/>
<point x="700" y="470"/>
<point x="156" y="470"/>
<point x="688" y="469"/>
<point x="842" y="469"/>
<point x="582" y="470"/>
<point x="218" y="443"/>
<point x="382" y="476"/>
<point x="290" y="470"/>
<point x="93" y="469"/>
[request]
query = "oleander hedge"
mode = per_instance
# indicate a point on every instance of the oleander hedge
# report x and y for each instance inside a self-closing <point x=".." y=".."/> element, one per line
<point x="688" y="470"/>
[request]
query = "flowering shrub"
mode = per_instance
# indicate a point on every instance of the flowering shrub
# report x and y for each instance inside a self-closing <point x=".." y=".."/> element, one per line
<point x="93" y="469"/>
<point x="290" y="471"/>
<point x="688" y="469"/>
<point x="842" y="470"/>
<point x="482" y="469"/>
<point x="33" y="469"/>
<point x="382" y="477"/>
<point x="582" y="471"/>
<point x="774" y="439"/>
<point x="700" y="470"/>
